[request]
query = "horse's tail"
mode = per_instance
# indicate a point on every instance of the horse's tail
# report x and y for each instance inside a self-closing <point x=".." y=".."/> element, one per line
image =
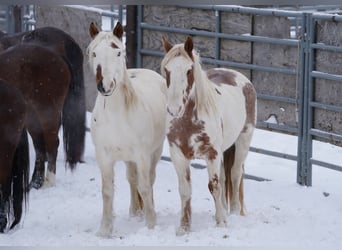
<point x="228" y="161"/>
<point x="20" y="178"/>
<point x="74" y="110"/>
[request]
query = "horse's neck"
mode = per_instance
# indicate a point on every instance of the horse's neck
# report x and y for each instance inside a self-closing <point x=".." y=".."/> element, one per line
<point x="204" y="92"/>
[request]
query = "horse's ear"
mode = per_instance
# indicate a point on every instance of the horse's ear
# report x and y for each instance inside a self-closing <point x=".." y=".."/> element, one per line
<point x="93" y="30"/>
<point x="118" y="30"/>
<point x="166" y="44"/>
<point x="189" y="46"/>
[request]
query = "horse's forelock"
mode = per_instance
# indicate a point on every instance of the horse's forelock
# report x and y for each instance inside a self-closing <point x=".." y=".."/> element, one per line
<point x="177" y="50"/>
<point x="101" y="36"/>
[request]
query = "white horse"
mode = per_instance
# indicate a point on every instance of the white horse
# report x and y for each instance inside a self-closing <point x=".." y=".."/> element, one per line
<point x="128" y="123"/>
<point x="211" y="116"/>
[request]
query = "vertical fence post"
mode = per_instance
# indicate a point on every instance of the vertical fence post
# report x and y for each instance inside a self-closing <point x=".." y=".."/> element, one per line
<point x="131" y="35"/>
<point x="304" y="170"/>
<point x="217" y="39"/>
<point x="139" y="36"/>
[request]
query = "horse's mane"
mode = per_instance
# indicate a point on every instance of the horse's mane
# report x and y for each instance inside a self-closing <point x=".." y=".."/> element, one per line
<point x="103" y="35"/>
<point x="204" y="89"/>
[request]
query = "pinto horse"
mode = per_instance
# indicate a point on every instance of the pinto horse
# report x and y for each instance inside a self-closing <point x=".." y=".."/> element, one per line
<point x="211" y="116"/>
<point x="74" y="111"/>
<point x="14" y="155"/>
<point x="128" y="123"/>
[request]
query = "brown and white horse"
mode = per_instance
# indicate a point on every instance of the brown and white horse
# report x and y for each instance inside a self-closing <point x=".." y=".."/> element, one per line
<point x="128" y="123"/>
<point x="211" y="116"/>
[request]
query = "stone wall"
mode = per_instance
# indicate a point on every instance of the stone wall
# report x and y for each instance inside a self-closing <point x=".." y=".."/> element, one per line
<point x="262" y="54"/>
<point x="75" y="22"/>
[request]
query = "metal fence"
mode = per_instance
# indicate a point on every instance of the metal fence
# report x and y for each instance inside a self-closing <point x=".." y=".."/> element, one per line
<point x="303" y="38"/>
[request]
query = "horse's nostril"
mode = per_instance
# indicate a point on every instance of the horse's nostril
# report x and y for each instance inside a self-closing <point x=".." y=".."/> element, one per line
<point x="100" y="87"/>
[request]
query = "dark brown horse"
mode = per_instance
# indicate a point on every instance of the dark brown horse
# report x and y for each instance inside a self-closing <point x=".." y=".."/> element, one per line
<point x="74" y="110"/>
<point x="45" y="81"/>
<point x="14" y="155"/>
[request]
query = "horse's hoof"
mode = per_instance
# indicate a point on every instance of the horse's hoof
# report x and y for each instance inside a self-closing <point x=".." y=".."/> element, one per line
<point x="182" y="230"/>
<point x="50" y="180"/>
<point x="3" y="224"/>
<point x="36" y="183"/>
<point x="104" y="233"/>
<point x="221" y="224"/>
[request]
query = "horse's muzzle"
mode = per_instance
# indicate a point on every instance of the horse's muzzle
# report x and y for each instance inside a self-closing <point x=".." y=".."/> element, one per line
<point x="102" y="90"/>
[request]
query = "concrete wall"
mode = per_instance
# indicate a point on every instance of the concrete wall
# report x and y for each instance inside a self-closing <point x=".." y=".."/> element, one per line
<point x="76" y="23"/>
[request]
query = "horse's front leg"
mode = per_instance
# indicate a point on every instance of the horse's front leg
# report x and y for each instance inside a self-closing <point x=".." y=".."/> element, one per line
<point x="184" y="187"/>
<point x="146" y="191"/>
<point x="136" y="205"/>
<point x="216" y="189"/>
<point x="107" y="174"/>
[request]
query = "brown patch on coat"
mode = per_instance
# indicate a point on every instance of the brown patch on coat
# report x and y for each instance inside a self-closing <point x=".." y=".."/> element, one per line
<point x="219" y="76"/>
<point x="184" y="127"/>
<point x="186" y="214"/>
<point x="187" y="175"/>
<point x="99" y="76"/>
<point x="212" y="185"/>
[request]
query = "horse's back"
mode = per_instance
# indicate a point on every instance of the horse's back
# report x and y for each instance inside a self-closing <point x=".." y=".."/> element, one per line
<point x="151" y="90"/>
<point x="35" y="70"/>
<point x="150" y="83"/>
<point x="234" y="90"/>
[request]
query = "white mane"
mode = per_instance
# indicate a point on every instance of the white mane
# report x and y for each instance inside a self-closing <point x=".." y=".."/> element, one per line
<point x="205" y="92"/>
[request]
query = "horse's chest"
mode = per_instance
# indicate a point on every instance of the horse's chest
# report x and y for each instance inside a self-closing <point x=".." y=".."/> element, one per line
<point x="192" y="138"/>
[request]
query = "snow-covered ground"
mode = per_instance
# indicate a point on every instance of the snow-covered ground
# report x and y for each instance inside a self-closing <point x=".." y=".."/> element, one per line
<point x="279" y="212"/>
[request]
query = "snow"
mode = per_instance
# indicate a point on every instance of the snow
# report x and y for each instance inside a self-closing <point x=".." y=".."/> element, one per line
<point x="279" y="212"/>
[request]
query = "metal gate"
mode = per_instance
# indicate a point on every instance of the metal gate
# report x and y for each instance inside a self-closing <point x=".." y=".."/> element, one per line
<point x="303" y="28"/>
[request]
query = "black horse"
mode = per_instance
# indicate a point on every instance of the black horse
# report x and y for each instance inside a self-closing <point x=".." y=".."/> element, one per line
<point x="74" y="110"/>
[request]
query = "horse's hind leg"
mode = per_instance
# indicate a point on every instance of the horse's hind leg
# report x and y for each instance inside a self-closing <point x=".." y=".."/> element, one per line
<point x="35" y="131"/>
<point x="52" y="143"/>
<point x="3" y="216"/>
<point x="145" y="190"/>
<point x="51" y="124"/>
<point x="216" y="188"/>
<point x="237" y="196"/>
<point x="136" y="205"/>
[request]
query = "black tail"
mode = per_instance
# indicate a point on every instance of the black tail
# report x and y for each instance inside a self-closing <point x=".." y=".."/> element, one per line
<point x="74" y="110"/>
<point x="228" y="161"/>
<point x="20" y="178"/>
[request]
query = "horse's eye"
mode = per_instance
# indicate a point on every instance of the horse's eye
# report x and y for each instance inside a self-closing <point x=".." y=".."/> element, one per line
<point x="189" y="72"/>
<point x="119" y="53"/>
<point x="94" y="54"/>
